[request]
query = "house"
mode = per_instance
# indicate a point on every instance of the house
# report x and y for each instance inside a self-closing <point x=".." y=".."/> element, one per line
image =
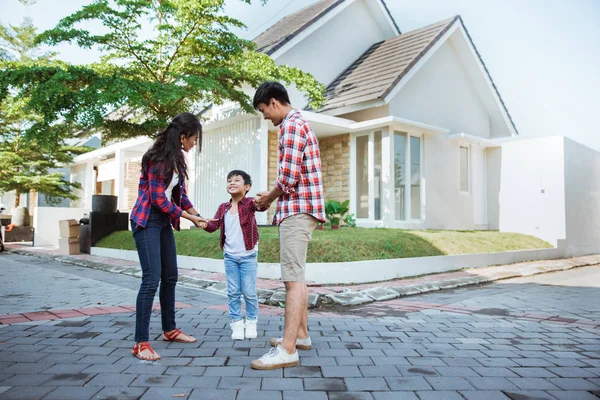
<point x="410" y="132"/>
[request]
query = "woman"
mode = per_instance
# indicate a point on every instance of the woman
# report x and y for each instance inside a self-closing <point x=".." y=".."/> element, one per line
<point x="161" y="202"/>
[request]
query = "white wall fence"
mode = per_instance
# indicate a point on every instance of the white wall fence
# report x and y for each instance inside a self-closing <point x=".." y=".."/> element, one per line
<point x="362" y="271"/>
<point x="45" y="223"/>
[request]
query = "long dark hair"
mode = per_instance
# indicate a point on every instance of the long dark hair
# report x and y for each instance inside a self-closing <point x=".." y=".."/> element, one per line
<point x="166" y="153"/>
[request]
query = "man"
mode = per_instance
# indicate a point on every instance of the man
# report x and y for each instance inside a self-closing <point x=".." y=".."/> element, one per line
<point x="300" y="205"/>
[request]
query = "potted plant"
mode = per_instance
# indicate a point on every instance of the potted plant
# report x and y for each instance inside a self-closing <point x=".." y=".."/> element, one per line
<point x="335" y="211"/>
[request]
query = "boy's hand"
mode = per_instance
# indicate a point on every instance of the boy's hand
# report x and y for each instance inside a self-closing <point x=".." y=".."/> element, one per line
<point x="202" y="222"/>
<point x="262" y="200"/>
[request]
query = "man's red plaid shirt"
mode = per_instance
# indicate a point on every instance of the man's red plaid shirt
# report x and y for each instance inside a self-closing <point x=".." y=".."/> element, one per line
<point x="299" y="174"/>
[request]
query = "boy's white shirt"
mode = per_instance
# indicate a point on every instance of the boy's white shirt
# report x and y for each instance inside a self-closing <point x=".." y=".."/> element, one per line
<point x="234" y="237"/>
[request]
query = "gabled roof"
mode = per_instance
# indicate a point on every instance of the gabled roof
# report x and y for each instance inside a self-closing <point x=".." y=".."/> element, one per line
<point x="290" y="26"/>
<point x="381" y="67"/>
<point x="379" y="70"/>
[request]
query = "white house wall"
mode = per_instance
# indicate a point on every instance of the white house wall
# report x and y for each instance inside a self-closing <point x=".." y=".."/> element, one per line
<point x="442" y="94"/>
<point x="330" y="49"/>
<point x="493" y="167"/>
<point x="447" y="207"/>
<point x="532" y="193"/>
<point x="582" y="181"/>
<point x="235" y="146"/>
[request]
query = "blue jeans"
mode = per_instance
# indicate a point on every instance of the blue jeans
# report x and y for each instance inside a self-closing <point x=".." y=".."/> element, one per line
<point x="241" y="280"/>
<point x="158" y="257"/>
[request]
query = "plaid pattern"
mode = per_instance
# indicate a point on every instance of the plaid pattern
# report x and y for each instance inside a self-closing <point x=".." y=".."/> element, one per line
<point x="247" y="211"/>
<point x="299" y="174"/>
<point x="151" y="193"/>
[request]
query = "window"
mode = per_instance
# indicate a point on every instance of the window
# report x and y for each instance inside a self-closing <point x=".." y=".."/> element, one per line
<point x="415" y="177"/>
<point x="362" y="176"/>
<point x="464" y="169"/>
<point x="399" y="175"/>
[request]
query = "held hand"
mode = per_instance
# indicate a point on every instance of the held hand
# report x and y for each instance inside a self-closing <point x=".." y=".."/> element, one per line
<point x="262" y="200"/>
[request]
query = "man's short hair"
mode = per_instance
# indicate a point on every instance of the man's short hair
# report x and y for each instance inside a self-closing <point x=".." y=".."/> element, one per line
<point x="244" y="175"/>
<point x="270" y="90"/>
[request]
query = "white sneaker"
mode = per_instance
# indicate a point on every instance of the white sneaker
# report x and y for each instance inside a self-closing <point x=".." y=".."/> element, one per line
<point x="277" y="357"/>
<point x="301" y="344"/>
<point x="237" y="330"/>
<point x="251" y="328"/>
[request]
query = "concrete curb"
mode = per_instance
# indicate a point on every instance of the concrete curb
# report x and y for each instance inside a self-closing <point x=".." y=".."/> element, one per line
<point x="348" y="297"/>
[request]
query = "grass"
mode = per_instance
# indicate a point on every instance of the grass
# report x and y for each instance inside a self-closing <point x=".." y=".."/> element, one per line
<point x="351" y="244"/>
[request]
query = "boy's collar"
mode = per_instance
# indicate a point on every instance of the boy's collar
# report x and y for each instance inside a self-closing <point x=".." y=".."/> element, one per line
<point x="242" y="200"/>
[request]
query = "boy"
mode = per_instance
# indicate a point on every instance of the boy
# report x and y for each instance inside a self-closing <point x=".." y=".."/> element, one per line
<point x="239" y="241"/>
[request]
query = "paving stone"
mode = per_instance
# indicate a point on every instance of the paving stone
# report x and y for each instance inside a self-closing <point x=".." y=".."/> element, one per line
<point x="366" y="384"/>
<point x="448" y="383"/>
<point x="26" y="393"/>
<point x="394" y="396"/>
<point x="418" y="371"/>
<point x="456" y="371"/>
<point x="302" y="395"/>
<point x="563" y="383"/>
<point x="324" y="384"/>
<point x="573" y="395"/>
<point x="239" y="383"/>
<point x="72" y="393"/>
<point x="25" y="368"/>
<point x="210" y="382"/>
<point x="484" y="395"/>
<point x="340" y="371"/>
<point x="209" y="361"/>
<point x="111" y="380"/>
<point x="287" y="384"/>
<point x="567" y="372"/>
<point x="378" y="371"/>
<point x="407" y="383"/>
<point x="533" y="372"/>
<point x="302" y="372"/>
<point x="495" y="371"/>
<point x="258" y="395"/>
<point x="146" y="369"/>
<point x="528" y="395"/>
<point x="350" y="395"/>
<point x="26" y="380"/>
<point x="120" y="393"/>
<point x="440" y="395"/>
<point x="154" y="380"/>
<point x="491" y="383"/>
<point x="76" y="379"/>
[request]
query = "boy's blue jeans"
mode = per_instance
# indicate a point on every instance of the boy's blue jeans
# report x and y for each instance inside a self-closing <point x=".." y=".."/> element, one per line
<point x="241" y="280"/>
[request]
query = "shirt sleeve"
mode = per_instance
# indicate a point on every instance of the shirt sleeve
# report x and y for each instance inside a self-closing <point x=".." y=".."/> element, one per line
<point x="186" y="204"/>
<point x="292" y="144"/>
<point x="214" y="225"/>
<point x="158" y="198"/>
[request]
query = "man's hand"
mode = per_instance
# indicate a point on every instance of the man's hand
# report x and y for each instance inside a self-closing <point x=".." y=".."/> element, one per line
<point x="263" y="200"/>
<point x="201" y="222"/>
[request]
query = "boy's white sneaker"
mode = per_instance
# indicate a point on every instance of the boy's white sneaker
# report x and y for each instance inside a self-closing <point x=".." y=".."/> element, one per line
<point x="251" y="328"/>
<point x="301" y="344"/>
<point x="237" y="330"/>
<point x="276" y="358"/>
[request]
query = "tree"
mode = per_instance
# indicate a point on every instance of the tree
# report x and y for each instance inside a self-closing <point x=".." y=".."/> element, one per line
<point x="25" y="163"/>
<point x="191" y="60"/>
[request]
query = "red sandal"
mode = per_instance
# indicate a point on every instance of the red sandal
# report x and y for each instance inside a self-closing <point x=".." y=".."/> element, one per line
<point x="142" y="346"/>
<point x="174" y="334"/>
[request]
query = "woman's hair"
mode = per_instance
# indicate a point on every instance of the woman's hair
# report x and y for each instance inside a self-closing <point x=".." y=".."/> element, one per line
<point x="166" y="153"/>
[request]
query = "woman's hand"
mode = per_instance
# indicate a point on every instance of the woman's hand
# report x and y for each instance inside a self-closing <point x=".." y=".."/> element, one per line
<point x="201" y="222"/>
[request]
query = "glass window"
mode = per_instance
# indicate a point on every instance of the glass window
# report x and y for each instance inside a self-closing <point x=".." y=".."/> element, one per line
<point x="362" y="176"/>
<point x="415" y="177"/>
<point x="400" y="175"/>
<point x="378" y="184"/>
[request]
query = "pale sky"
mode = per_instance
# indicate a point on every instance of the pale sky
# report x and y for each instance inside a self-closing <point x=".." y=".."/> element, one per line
<point x="543" y="55"/>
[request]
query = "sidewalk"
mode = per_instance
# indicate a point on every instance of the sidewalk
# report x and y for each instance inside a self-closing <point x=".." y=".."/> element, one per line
<point x="272" y="292"/>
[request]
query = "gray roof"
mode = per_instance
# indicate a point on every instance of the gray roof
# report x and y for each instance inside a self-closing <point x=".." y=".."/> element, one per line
<point x="380" y="68"/>
<point x="288" y="27"/>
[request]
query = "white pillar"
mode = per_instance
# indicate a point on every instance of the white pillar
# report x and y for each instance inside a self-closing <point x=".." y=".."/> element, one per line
<point x="120" y="180"/>
<point x="387" y="177"/>
<point x="89" y="185"/>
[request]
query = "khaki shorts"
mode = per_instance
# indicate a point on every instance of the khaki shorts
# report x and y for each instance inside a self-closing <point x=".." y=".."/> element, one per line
<point x="294" y="234"/>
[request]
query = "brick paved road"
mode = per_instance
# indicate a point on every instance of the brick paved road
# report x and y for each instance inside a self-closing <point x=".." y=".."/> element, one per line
<point x="361" y="354"/>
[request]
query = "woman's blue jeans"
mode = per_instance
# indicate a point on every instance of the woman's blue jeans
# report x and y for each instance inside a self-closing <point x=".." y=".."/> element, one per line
<point x="241" y="281"/>
<point x="158" y="257"/>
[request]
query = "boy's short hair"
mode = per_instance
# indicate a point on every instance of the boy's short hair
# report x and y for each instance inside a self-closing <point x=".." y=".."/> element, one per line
<point x="244" y="175"/>
<point x="270" y="90"/>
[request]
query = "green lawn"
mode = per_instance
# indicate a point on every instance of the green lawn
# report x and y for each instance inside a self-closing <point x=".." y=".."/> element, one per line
<point x="352" y="244"/>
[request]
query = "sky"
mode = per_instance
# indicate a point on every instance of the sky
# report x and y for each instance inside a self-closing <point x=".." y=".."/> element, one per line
<point x="543" y="55"/>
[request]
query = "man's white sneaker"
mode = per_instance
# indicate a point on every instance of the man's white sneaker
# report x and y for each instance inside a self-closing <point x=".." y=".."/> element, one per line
<point x="237" y="330"/>
<point x="251" y="328"/>
<point x="277" y="357"/>
<point x="301" y="344"/>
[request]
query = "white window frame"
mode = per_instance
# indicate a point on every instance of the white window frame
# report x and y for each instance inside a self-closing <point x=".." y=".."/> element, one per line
<point x="469" y="183"/>
<point x="388" y="217"/>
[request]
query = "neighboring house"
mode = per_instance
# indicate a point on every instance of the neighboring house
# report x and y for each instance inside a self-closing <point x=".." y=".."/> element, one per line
<point x="410" y="130"/>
